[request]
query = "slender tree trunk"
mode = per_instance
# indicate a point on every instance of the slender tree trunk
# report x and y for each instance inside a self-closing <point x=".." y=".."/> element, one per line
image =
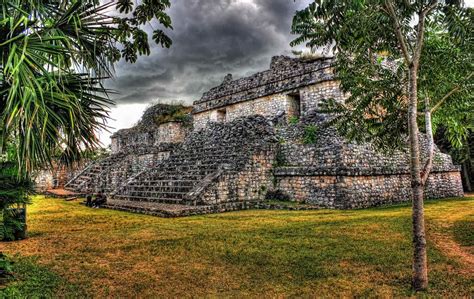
<point x="420" y="268"/>
<point x="467" y="179"/>
<point x="430" y="146"/>
<point x="468" y="166"/>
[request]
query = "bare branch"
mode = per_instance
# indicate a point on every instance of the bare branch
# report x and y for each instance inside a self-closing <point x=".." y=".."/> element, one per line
<point x="398" y="31"/>
<point x="420" y="30"/>
<point x="430" y="7"/>
<point x="429" y="134"/>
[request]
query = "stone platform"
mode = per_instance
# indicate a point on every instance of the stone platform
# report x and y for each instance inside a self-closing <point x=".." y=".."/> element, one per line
<point x="62" y="193"/>
<point x="174" y="210"/>
<point x="179" y="210"/>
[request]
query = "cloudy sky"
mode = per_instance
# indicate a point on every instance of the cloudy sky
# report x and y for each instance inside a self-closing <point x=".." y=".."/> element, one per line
<point x="211" y="38"/>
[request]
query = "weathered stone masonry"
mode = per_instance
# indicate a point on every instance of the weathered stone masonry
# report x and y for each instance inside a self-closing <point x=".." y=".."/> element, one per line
<point x="248" y="137"/>
<point x="287" y="84"/>
<point x="133" y="151"/>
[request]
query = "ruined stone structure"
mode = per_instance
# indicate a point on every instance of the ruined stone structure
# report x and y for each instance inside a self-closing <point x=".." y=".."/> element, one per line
<point x="247" y="138"/>
<point x="55" y="178"/>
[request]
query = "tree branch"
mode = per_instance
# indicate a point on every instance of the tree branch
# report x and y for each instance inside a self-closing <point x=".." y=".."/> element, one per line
<point x="420" y="31"/>
<point x="398" y="31"/>
<point x="454" y="90"/>
<point x="430" y="7"/>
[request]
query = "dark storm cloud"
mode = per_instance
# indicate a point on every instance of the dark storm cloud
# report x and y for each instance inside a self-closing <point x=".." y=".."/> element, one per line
<point x="210" y="39"/>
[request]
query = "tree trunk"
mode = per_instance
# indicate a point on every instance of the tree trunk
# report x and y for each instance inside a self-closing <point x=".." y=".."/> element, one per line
<point x="420" y="268"/>
<point x="467" y="178"/>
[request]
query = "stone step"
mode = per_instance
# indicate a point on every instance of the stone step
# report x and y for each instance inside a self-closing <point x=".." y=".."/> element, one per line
<point x="156" y="195"/>
<point x="169" y="181"/>
<point x="179" y="188"/>
<point x="173" y="176"/>
<point x="149" y="199"/>
<point x="152" y="208"/>
<point x="149" y="190"/>
<point x="175" y="188"/>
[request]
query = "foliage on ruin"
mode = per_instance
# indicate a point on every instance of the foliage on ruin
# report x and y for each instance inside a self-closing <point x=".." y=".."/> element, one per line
<point x="310" y="134"/>
<point x="158" y="114"/>
<point x="293" y="120"/>
<point x="178" y="113"/>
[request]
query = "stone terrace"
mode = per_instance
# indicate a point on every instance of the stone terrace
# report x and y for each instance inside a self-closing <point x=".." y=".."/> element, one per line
<point x="284" y="74"/>
<point x="219" y="150"/>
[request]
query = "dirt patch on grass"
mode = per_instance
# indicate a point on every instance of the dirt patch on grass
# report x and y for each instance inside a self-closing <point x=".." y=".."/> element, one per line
<point x="446" y="230"/>
<point x="451" y="248"/>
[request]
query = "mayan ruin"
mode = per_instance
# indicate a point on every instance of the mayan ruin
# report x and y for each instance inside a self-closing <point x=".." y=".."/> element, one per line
<point x="236" y="149"/>
<point x="250" y="139"/>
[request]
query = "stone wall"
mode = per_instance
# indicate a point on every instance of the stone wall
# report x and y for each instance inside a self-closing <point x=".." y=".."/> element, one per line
<point x="334" y="173"/>
<point x="266" y="106"/>
<point x="290" y="86"/>
<point x="44" y="180"/>
<point x="291" y="103"/>
<point x="349" y="192"/>
<point x="170" y="132"/>
<point x="375" y="190"/>
<point x="56" y="177"/>
<point x="312" y="96"/>
<point x="249" y="184"/>
<point x="130" y="139"/>
<point x="285" y="74"/>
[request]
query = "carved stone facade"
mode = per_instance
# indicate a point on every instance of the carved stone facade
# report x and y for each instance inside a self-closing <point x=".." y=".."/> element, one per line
<point x="247" y="137"/>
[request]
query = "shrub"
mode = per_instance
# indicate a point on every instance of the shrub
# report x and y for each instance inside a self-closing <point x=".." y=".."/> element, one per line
<point x="13" y="198"/>
<point x="293" y="120"/>
<point x="6" y="268"/>
<point x="174" y="113"/>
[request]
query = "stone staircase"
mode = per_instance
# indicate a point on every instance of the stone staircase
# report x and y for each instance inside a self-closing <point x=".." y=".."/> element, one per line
<point x="89" y="179"/>
<point x="204" y="155"/>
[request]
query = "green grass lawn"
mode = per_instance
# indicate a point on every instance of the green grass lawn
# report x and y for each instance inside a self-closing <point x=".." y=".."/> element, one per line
<point x="74" y="251"/>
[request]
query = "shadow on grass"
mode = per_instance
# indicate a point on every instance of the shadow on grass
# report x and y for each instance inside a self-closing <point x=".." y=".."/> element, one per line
<point x="31" y="280"/>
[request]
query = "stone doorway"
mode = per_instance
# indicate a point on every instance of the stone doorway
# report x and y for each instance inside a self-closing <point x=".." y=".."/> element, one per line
<point x="221" y="115"/>
<point x="294" y="105"/>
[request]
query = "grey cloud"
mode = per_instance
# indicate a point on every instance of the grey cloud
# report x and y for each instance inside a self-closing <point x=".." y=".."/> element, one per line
<point x="210" y="39"/>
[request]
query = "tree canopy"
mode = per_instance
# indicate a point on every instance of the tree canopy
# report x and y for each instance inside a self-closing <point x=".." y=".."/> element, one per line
<point x="371" y="69"/>
<point x="398" y="62"/>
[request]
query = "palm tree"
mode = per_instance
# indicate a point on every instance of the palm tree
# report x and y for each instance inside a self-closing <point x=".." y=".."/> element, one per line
<point x="52" y="63"/>
<point x="54" y="56"/>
